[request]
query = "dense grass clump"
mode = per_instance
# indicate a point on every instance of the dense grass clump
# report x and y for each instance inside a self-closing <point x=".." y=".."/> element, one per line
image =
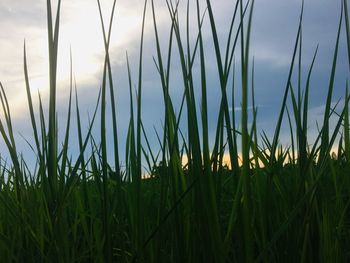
<point x="268" y="204"/>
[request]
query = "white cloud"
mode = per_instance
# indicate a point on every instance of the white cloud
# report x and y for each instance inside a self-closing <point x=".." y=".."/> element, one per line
<point x="274" y="30"/>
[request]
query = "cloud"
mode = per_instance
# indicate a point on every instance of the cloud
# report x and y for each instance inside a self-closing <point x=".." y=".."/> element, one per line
<point x="275" y="25"/>
<point x="273" y="34"/>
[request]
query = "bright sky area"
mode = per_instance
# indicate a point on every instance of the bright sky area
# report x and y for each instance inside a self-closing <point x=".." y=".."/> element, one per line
<point x="273" y="34"/>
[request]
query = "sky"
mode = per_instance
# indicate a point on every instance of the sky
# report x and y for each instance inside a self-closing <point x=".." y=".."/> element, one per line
<point x="273" y="35"/>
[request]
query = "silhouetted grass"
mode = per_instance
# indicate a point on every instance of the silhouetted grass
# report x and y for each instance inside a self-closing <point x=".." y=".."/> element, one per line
<point x="275" y="205"/>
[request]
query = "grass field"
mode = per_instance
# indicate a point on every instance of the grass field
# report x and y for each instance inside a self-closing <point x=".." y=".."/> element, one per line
<point x="270" y="204"/>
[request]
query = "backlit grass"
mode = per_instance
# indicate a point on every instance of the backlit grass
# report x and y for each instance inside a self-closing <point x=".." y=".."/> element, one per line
<point x="267" y="204"/>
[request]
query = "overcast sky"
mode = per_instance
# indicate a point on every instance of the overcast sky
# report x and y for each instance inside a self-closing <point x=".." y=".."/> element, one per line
<point x="274" y="31"/>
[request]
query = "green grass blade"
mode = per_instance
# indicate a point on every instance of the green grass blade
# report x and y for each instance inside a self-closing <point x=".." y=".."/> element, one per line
<point x="326" y="116"/>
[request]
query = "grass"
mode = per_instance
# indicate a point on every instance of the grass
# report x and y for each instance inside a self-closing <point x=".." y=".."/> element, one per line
<point x="276" y="205"/>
